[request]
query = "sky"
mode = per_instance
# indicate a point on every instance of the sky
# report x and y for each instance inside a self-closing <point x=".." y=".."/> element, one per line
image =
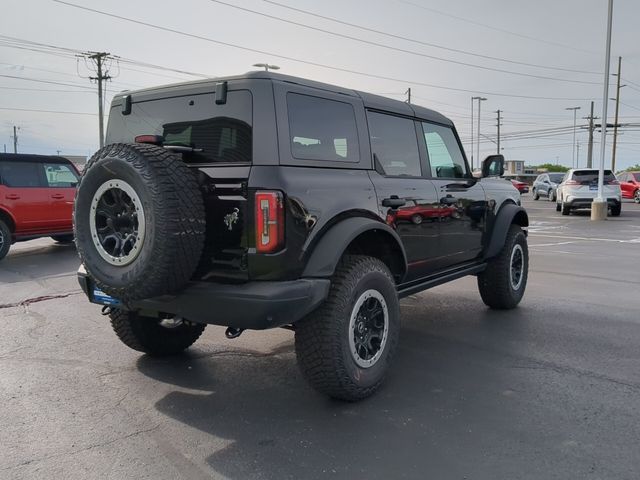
<point x="531" y="60"/>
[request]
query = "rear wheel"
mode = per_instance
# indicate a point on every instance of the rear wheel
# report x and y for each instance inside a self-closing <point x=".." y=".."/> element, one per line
<point x="552" y="196"/>
<point x="616" y="210"/>
<point x="5" y="239"/>
<point x="503" y="282"/>
<point x="558" y="208"/>
<point x="416" y="219"/>
<point x="566" y="209"/>
<point x="154" y="336"/>
<point x="62" y="238"/>
<point x="345" y="347"/>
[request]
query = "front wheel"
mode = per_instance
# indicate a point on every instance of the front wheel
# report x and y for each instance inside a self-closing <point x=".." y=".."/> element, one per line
<point x="636" y="196"/>
<point x="536" y="195"/>
<point x="154" y="336"/>
<point x="503" y="282"/>
<point x="5" y="239"/>
<point x="552" y="196"/>
<point x="566" y="209"/>
<point x="345" y="347"/>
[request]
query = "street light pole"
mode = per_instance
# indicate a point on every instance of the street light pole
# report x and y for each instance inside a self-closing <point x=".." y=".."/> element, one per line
<point x="599" y="205"/>
<point x="573" y="151"/>
<point x="480" y="99"/>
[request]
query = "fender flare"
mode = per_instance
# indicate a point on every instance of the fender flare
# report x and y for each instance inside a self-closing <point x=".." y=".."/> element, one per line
<point x="329" y="249"/>
<point x="507" y="215"/>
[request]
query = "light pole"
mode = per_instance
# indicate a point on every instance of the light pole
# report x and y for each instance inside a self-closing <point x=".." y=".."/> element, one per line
<point x="573" y="152"/>
<point x="266" y="66"/>
<point x="599" y="205"/>
<point x="480" y="99"/>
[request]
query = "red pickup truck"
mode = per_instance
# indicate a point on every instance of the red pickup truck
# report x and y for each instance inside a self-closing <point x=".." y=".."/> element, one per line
<point x="36" y="198"/>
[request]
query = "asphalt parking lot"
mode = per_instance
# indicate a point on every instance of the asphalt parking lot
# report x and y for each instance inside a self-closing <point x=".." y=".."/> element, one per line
<point x="550" y="390"/>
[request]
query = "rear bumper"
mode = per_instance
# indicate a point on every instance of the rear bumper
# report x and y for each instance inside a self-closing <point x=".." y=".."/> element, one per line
<point x="586" y="202"/>
<point x="253" y="305"/>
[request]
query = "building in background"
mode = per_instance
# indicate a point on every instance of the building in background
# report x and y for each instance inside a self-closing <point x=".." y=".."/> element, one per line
<point x="78" y="160"/>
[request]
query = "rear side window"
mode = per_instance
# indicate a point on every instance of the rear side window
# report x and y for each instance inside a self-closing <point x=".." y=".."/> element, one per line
<point x="60" y="176"/>
<point x="394" y="145"/>
<point x="586" y="177"/>
<point x="217" y="133"/>
<point x="21" y="174"/>
<point x="322" y="129"/>
<point x="445" y="156"/>
<point x="556" y="177"/>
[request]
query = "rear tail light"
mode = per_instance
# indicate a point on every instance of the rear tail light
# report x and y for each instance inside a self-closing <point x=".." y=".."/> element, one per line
<point x="269" y="221"/>
<point x="150" y="139"/>
<point x="572" y="182"/>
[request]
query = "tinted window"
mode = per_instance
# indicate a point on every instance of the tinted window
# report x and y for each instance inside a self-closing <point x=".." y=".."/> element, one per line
<point x="60" y="176"/>
<point x="394" y="145"/>
<point x="21" y="174"/>
<point x="556" y="177"/>
<point x="636" y="175"/>
<point x="222" y="132"/>
<point x="445" y="155"/>
<point x="322" y="129"/>
<point x="591" y="176"/>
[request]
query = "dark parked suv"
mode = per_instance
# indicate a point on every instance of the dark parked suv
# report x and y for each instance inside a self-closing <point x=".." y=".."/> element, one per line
<point x="264" y="201"/>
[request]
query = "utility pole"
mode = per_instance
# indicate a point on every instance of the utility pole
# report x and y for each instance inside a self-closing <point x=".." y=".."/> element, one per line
<point x="101" y="75"/>
<point x="472" y="98"/>
<point x="615" y="122"/>
<point x="15" y="139"/>
<point x="408" y="92"/>
<point x="591" y="118"/>
<point x="498" y="125"/>
<point x="480" y="100"/>
<point x="577" y="154"/>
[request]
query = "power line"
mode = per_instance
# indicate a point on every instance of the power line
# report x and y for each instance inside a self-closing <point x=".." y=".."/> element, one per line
<point x="306" y="62"/>
<point x="46" y="111"/>
<point x="46" y="81"/>
<point x="497" y="29"/>
<point x="421" y="42"/>
<point x="402" y="50"/>
<point x="44" y="90"/>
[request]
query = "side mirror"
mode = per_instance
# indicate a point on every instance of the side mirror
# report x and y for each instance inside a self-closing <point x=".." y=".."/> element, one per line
<point x="493" y="166"/>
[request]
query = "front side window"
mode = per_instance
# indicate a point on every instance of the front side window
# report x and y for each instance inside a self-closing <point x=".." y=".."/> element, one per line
<point x="60" y="176"/>
<point x="322" y="129"/>
<point x="394" y="145"/>
<point x="445" y="156"/>
<point x="20" y="174"/>
<point x="217" y="133"/>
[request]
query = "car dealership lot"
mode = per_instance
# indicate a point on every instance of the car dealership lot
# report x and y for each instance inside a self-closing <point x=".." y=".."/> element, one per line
<point x="549" y="390"/>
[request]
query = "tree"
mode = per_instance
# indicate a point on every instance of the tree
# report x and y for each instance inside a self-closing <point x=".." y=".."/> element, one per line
<point x="633" y="168"/>
<point x="550" y="167"/>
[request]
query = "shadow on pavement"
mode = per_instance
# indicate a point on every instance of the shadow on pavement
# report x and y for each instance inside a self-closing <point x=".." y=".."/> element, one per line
<point x="43" y="259"/>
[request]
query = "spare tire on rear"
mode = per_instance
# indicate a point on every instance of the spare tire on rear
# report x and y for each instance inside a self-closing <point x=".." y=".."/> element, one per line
<point x="139" y="221"/>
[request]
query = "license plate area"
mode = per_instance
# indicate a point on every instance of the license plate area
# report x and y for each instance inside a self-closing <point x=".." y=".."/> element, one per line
<point x="593" y="187"/>
<point x="98" y="296"/>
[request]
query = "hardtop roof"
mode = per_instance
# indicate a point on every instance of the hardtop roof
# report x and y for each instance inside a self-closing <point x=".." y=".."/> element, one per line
<point x="370" y="100"/>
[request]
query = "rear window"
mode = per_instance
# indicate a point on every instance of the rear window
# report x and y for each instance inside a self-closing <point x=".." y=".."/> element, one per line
<point x="636" y="176"/>
<point x="21" y="174"/>
<point x="218" y="133"/>
<point x="322" y="129"/>
<point x="591" y="176"/>
<point x="556" y="177"/>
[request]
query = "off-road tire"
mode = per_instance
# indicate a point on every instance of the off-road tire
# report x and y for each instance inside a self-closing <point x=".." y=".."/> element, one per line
<point x="615" y="211"/>
<point x="174" y="221"/>
<point x="147" y="335"/>
<point x="322" y="338"/>
<point x="495" y="283"/>
<point x="5" y="239"/>
<point x="536" y="195"/>
<point x="64" y="239"/>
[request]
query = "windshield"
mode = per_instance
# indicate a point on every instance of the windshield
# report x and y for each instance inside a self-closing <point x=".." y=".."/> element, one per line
<point x="217" y="133"/>
<point x="556" y="177"/>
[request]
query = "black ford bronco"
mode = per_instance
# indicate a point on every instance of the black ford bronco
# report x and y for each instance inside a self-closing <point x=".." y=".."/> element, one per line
<point x="265" y="200"/>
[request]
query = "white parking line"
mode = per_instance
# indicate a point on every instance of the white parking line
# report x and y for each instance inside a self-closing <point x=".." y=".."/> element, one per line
<point x="549" y="244"/>
<point x="587" y="239"/>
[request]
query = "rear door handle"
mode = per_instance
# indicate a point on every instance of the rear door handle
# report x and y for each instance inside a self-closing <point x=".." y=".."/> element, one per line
<point x="393" y="202"/>
<point x="57" y="196"/>
<point x="12" y="196"/>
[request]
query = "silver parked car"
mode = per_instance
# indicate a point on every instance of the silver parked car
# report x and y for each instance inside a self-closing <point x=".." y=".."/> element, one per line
<point x="580" y="186"/>
<point x="546" y="185"/>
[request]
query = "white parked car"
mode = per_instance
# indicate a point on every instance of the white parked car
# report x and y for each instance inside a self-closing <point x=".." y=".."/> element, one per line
<point x="580" y="186"/>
